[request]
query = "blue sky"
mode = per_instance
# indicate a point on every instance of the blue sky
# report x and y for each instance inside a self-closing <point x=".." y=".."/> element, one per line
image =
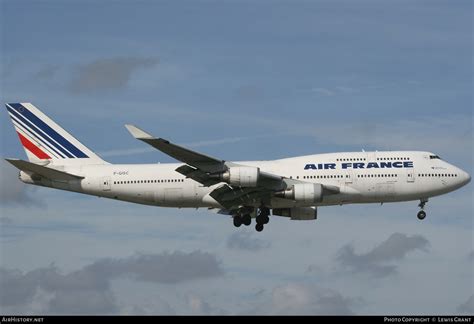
<point x="240" y="80"/>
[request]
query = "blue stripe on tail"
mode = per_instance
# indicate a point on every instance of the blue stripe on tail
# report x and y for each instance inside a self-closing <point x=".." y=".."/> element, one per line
<point x="19" y="108"/>
<point x="14" y="114"/>
<point x="23" y="127"/>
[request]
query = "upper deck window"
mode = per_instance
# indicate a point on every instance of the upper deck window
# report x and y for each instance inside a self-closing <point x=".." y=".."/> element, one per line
<point x="432" y="157"/>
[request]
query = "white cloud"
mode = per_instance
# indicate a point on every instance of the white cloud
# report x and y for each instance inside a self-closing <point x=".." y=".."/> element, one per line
<point x="246" y="241"/>
<point x="299" y="299"/>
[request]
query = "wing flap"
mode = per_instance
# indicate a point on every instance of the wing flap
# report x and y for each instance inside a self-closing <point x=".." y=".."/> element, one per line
<point x="231" y="197"/>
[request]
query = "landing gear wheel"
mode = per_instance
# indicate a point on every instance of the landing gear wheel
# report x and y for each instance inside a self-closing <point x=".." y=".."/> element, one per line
<point x="263" y="218"/>
<point x="259" y="227"/>
<point x="421" y="215"/>
<point x="246" y="220"/>
<point x="237" y="221"/>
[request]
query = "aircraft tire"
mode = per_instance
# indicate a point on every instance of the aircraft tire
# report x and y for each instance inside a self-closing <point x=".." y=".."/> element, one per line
<point x="246" y="220"/>
<point x="237" y="221"/>
<point x="421" y="215"/>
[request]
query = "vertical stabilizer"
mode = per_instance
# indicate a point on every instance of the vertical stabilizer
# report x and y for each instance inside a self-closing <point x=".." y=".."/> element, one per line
<point x="45" y="141"/>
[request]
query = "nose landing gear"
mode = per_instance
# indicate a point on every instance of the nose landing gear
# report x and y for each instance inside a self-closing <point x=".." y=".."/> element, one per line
<point x="422" y="214"/>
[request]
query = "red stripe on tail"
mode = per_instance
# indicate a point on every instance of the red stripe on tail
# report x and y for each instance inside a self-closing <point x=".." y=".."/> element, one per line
<point x="33" y="148"/>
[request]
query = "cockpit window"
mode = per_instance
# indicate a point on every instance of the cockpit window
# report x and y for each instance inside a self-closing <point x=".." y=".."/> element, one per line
<point x="432" y="157"/>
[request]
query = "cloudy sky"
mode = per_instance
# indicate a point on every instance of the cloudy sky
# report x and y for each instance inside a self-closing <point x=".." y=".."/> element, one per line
<point x="239" y="80"/>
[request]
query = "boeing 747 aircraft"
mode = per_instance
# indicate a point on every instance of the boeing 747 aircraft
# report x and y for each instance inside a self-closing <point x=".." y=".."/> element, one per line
<point x="292" y="187"/>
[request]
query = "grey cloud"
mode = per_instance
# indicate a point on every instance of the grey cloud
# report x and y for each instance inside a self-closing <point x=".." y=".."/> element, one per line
<point x="245" y="241"/>
<point x="108" y="73"/>
<point x="467" y="307"/>
<point x="198" y="306"/>
<point x="88" y="290"/>
<point x="15" y="288"/>
<point x="152" y="306"/>
<point x="6" y="220"/>
<point x="83" y="301"/>
<point x="47" y="72"/>
<point x="162" y="268"/>
<point x="12" y="190"/>
<point x="396" y="247"/>
<point x="80" y="292"/>
<point x="471" y="256"/>
<point x="297" y="299"/>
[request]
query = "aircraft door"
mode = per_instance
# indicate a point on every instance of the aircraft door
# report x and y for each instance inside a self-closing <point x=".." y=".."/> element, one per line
<point x="105" y="183"/>
<point x="410" y="175"/>
<point x="348" y="176"/>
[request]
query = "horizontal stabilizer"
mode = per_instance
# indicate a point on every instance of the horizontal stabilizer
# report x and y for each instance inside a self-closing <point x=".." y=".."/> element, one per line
<point x="43" y="171"/>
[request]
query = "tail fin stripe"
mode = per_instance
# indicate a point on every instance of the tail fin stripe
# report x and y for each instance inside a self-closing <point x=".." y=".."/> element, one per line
<point x="37" y="132"/>
<point x="48" y="130"/>
<point x="33" y="148"/>
<point x="30" y="133"/>
<point x="35" y="143"/>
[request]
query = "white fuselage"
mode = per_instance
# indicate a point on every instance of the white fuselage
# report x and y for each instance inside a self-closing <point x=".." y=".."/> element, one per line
<point x="362" y="177"/>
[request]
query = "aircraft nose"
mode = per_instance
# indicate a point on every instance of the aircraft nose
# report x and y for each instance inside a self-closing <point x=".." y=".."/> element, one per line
<point x="465" y="177"/>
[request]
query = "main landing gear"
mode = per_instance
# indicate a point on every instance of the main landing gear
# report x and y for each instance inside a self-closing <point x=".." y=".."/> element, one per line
<point x="422" y="214"/>
<point x="262" y="218"/>
<point x="245" y="219"/>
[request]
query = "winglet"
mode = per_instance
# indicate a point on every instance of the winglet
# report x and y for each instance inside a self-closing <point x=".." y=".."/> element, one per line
<point x="137" y="132"/>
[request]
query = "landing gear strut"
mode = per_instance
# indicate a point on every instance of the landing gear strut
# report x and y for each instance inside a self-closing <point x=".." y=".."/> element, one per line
<point x="262" y="218"/>
<point x="422" y="214"/>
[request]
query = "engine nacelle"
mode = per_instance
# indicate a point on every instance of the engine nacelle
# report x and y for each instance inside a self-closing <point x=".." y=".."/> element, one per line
<point x="242" y="176"/>
<point x="297" y="213"/>
<point x="307" y="193"/>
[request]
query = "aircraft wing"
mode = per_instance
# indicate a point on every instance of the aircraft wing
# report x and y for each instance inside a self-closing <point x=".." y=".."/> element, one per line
<point x="200" y="167"/>
<point x="207" y="170"/>
<point x="195" y="159"/>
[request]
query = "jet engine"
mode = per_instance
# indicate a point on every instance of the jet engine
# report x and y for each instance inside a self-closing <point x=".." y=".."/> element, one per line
<point x="303" y="192"/>
<point x="241" y="176"/>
